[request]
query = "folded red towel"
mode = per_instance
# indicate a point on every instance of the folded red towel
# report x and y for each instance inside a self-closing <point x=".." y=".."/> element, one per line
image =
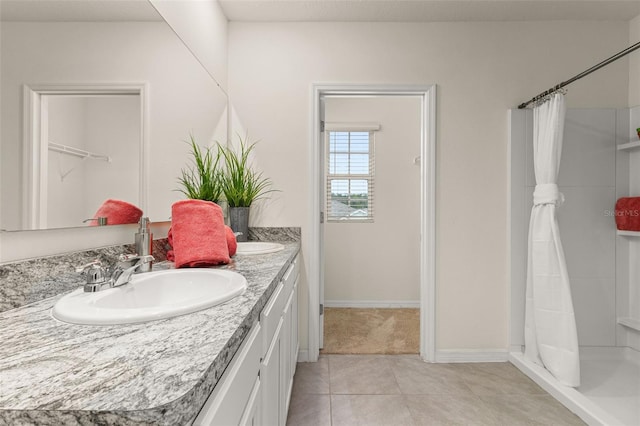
<point x="628" y="214"/>
<point x="232" y="243"/>
<point x="117" y="212"/>
<point x="198" y="234"/>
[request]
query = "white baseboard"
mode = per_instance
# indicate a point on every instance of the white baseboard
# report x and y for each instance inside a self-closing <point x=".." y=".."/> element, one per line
<point x="479" y="355"/>
<point x="372" y="304"/>
<point x="447" y="356"/>
<point x="516" y="348"/>
<point x="303" y="355"/>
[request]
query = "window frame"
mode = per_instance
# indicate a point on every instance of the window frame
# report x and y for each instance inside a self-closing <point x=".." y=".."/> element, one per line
<point x="349" y="177"/>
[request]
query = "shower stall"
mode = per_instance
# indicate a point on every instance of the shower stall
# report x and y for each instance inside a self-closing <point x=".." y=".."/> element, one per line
<point x="600" y="163"/>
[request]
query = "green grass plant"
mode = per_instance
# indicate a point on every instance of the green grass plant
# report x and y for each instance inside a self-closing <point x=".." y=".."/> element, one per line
<point x="203" y="180"/>
<point x="241" y="184"/>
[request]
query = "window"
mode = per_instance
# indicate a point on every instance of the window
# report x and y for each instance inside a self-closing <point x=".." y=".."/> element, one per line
<point x="350" y="176"/>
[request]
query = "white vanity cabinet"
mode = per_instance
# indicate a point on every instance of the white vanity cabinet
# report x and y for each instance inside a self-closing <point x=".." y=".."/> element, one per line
<point x="256" y="386"/>
<point x="281" y="348"/>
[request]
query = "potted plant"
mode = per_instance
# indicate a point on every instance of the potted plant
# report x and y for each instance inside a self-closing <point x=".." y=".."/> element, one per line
<point x="203" y="180"/>
<point x="241" y="185"/>
<point x="638" y="131"/>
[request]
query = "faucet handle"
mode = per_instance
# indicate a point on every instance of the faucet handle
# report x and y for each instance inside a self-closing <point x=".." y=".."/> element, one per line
<point x="84" y="268"/>
<point x="135" y="257"/>
<point x="93" y="271"/>
<point x="128" y="257"/>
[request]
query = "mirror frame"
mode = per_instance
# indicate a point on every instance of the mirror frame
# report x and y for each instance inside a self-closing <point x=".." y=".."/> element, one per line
<point x="34" y="146"/>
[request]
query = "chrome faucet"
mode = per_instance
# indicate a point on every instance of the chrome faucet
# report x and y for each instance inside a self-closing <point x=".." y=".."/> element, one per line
<point x="127" y="265"/>
<point x="96" y="274"/>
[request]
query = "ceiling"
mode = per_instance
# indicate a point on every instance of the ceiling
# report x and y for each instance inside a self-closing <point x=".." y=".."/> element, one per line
<point x="428" y="10"/>
<point x="78" y="10"/>
<point x="333" y="10"/>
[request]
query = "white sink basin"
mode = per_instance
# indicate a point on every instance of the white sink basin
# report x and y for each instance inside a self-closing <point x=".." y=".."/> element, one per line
<point x="258" y="247"/>
<point x="151" y="296"/>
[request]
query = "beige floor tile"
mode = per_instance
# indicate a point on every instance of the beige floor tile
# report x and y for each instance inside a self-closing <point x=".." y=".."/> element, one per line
<point x="498" y="378"/>
<point x="514" y="410"/>
<point x="312" y="377"/>
<point x="309" y="410"/>
<point x="440" y="410"/>
<point x="369" y="410"/>
<point x="415" y="376"/>
<point x="403" y="390"/>
<point x="361" y="374"/>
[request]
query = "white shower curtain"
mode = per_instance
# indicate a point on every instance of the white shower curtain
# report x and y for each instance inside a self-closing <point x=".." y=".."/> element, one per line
<point x="551" y="338"/>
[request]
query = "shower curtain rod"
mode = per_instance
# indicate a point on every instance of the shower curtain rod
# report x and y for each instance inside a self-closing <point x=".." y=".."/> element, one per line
<point x="554" y="89"/>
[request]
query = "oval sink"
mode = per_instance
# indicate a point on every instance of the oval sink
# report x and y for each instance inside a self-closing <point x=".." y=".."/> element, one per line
<point x="151" y="296"/>
<point x="258" y="247"/>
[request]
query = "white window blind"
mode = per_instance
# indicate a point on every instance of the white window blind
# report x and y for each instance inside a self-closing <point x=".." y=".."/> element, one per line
<point x="350" y="172"/>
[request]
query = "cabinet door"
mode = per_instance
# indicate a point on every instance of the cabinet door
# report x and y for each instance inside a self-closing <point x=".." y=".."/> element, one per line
<point x="229" y="400"/>
<point x="294" y="344"/>
<point x="251" y="416"/>
<point x="271" y="379"/>
<point x="285" y="360"/>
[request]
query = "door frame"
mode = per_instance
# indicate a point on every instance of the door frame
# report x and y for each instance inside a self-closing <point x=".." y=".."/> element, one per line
<point x="427" y="207"/>
<point x="34" y="141"/>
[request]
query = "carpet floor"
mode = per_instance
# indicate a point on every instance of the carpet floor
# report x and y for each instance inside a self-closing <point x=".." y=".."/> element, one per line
<point x="371" y="331"/>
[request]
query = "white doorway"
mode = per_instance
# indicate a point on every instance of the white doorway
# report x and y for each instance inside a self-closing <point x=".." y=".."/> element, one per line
<point x="372" y="225"/>
<point x="425" y="161"/>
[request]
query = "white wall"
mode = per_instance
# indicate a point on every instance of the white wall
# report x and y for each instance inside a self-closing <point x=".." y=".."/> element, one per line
<point x="358" y="256"/>
<point x="203" y="27"/>
<point x="113" y="128"/>
<point x="65" y="185"/>
<point x="482" y="70"/>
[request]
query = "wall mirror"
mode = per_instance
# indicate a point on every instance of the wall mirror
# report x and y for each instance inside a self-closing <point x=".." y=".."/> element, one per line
<point x="97" y="101"/>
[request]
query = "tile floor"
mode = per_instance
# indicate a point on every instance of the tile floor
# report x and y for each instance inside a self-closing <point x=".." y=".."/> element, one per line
<point x="403" y="390"/>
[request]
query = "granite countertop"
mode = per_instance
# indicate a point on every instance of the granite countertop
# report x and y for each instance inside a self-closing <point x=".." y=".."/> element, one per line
<point x="157" y="372"/>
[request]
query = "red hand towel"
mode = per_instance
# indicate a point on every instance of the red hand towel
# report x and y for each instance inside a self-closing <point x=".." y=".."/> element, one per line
<point x="198" y="234"/>
<point x="628" y="214"/>
<point x="117" y="212"/>
<point x="232" y="243"/>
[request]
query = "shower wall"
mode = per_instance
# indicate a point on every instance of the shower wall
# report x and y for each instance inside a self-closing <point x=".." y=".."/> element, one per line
<point x="628" y="245"/>
<point x="592" y="176"/>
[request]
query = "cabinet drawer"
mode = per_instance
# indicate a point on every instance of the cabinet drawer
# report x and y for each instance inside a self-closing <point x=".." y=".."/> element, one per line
<point x="228" y="402"/>
<point x="271" y="314"/>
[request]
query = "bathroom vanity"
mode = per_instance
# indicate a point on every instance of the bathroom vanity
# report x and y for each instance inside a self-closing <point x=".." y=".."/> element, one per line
<point x="256" y="386"/>
<point x="229" y="364"/>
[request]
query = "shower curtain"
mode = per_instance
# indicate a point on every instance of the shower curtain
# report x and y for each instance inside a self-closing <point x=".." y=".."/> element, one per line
<point x="551" y="338"/>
